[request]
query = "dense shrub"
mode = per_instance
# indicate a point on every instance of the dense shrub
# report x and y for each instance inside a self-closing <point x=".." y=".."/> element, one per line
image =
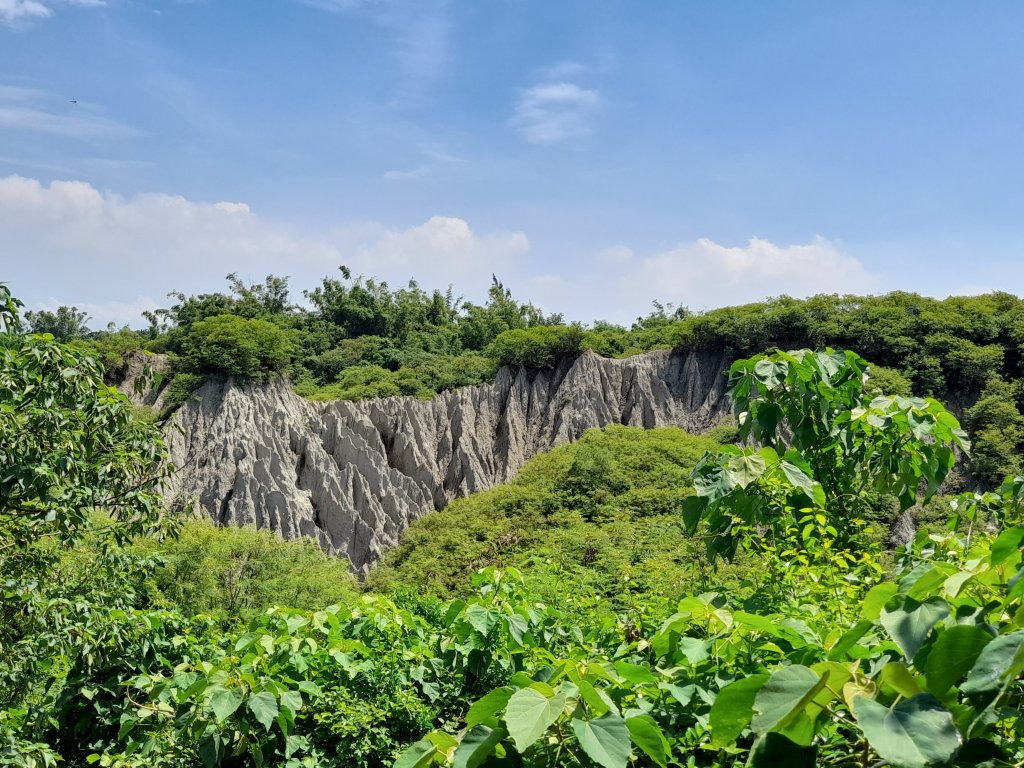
<point x="113" y="350"/>
<point x="543" y="346"/>
<point x="241" y="572"/>
<point x="236" y="346"/>
<point x="600" y="515"/>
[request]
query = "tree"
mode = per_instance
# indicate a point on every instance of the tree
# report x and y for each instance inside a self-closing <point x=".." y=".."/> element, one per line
<point x="260" y="299"/>
<point x="65" y="324"/>
<point x="236" y="346"/>
<point x="74" y="465"/>
<point x="821" y="443"/>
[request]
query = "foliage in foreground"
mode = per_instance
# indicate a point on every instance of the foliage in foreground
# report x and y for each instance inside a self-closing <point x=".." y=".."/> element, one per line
<point x="834" y="665"/>
<point x="922" y="670"/>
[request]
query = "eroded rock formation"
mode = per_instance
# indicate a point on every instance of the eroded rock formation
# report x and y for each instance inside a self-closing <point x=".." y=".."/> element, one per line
<point x="355" y="475"/>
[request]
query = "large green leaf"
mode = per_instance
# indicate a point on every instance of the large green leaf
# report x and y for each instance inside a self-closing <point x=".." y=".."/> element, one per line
<point x="876" y="598"/>
<point x="916" y="733"/>
<point x="264" y="707"/>
<point x="490" y="704"/>
<point x="225" y="701"/>
<point x="605" y="739"/>
<point x="773" y="750"/>
<point x="784" y="696"/>
<point x="733" y="708"/>
<point x="746" y="469"/>
<point x="1008" y="543"/>
<point x="477" y="745"/>
<point x="635" y="673"/>
<point x="849" y="639"/>
<point x="417" y="755"/>
<point x="292" y="700"/>
<point x="482" y="619"/>
<point x="211" y="749"/>
<point x="798" y="478"/>
<point x="955" y="651"/>
<point x="1002" y="657"/>
<point x="647" y="734"/>
<point x="528" y="715"/>
<point x="909" y="622"/>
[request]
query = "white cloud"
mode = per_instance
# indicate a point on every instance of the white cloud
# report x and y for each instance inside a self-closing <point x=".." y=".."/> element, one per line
<point x="552" y="112"/>
<point x="69" y="243"/>
<point x="14" y="11"/>
<point x="704" y="273"/>
<point x="701" y="274"/>
<point x="441" y="248"/>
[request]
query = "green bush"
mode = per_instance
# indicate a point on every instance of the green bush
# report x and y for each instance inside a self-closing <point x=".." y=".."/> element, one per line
<point x="241" y="572"/>
<point x="997" y="427"/>
<point x="888" y="381"/>
<point x="112" y="350"/>
<point x="541" y="346"/>
<point x="599" y="516"/>
<point x="360" y="382"/>
<point x="180" y="389"/>
<point x="236" y="346"/>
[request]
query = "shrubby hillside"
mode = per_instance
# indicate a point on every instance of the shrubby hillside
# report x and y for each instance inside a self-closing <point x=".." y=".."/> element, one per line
<point x="359" y="338"/>
<point x="813" y="648"/>
<point x="598" y="519"/>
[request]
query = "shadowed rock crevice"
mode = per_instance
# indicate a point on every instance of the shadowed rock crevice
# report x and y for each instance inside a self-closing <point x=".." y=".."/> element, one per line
<point x="355" y="475"/>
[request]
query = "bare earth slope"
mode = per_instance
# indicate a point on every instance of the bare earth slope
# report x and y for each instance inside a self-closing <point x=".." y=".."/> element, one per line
<point x="354" y="475"/>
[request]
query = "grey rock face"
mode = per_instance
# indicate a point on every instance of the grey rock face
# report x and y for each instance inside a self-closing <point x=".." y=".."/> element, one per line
<point x="355" y="475"/>
<point x="143" y="378"/>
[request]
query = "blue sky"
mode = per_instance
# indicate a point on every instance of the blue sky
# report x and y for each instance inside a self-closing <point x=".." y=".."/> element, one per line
<point x="595" y="156"/>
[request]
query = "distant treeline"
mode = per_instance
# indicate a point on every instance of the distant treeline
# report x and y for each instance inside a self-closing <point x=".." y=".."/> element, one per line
<point x="359" y="338"/>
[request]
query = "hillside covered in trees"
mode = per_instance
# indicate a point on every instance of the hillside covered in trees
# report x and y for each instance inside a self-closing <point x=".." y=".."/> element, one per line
<point x="357" y="338"/>
<point x="635" y="599"/>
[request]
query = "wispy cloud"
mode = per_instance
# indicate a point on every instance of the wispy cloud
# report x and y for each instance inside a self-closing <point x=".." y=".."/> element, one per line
<point x="30" y="110"/>
<point x="552" y="112"/>
<point x="407" y="174"/>
<point x="431" y="162"/>
<point x="18" y="10"/>
<point x="421" y="30"/>
<point x="13" y="12"/>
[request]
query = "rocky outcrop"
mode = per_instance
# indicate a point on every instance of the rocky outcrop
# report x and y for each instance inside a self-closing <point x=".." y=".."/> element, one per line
<point x="354" y="475"/>
<point x="143" y="378"/>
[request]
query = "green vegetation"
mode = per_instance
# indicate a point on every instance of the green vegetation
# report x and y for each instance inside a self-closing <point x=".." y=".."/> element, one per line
<point x="238" y="573"/>
<point x="236" y="346"/>
<point x="811" y="654"/>
<point x="830" y="665"/>
<point x="541" y="347"/>
<point x="590" y="524"/>
<point x="359" y="338"/>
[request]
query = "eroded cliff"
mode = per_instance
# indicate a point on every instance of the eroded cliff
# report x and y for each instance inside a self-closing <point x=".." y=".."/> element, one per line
<point x="355" y="475"/>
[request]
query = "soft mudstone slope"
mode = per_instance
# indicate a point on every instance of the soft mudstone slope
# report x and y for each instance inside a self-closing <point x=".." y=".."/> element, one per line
<point x="355" y="474"/>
